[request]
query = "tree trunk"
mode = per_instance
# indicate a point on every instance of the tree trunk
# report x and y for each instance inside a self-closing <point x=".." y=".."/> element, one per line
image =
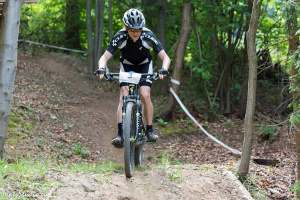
<point x="244" y="85"/>
<point x="252" y="59"/>
<point x="180" y="50"/>
<point x="293" y="41"/>
<point x="243" y="91"/>
<point x="198" y="39"/>
<point x="227" y="84"/>
<point x="72" y="22"/>
<point x="162" y="19"/>
<point x="98" y="30"/>
<point x="1" y="29"/>
<point x="8" y="63"/>
<point x="89" y="23"/>
<point x="110" y="16"/>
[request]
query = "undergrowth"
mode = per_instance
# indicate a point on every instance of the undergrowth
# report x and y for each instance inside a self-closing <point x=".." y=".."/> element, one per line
<point x="31" y="179"/>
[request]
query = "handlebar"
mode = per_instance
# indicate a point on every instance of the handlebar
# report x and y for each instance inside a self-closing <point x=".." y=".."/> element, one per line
<point x="144" y="76"/>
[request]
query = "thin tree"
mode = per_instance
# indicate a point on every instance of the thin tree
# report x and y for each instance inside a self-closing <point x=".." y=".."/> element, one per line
<point x="98" y="30"/>
<point x="72" y="27"/>
<point x="8" y="63"/>
<point x="110" y="8"/>
<point x="179" y="56"/>
<point x="245" y="69"/>
<point x="293" y="41"/>
<point x="162" y="21"/>
<point x="252" y="61"/>
<point x="91" y="45"/>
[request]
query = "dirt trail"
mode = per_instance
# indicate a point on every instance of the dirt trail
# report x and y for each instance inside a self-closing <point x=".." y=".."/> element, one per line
<point x="86" y="107"/>
<point x="91" y="111"/>
<point x="193" y="183"/>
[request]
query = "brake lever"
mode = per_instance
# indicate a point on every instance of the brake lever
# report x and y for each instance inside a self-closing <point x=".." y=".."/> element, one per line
<point x="108" y="77"/>
<point x="155" y="76"/>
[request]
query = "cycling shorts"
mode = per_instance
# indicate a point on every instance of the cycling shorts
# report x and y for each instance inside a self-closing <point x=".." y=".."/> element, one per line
<point x="143" y="68"/>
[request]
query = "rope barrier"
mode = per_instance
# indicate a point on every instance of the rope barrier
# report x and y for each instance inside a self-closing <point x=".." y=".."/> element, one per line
<point x="52" y="46"/>
<point x="234" y="151"/>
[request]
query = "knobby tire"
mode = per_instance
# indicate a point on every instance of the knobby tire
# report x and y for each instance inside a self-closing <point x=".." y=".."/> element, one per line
<point x="129" y="132"/>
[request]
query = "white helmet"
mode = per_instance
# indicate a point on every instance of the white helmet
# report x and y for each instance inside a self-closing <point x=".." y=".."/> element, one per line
<point x="133" y="18"/>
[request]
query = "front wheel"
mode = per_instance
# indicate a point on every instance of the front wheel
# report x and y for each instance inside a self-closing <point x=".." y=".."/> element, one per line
<point x="139" y="155"/>
<point x="129" y="123"/>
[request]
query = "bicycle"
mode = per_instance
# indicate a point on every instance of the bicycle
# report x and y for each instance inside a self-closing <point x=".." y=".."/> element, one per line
<point x="132" y="117"/>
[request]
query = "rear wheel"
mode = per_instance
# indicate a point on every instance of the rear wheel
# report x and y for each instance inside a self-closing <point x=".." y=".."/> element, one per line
<point x="129" y="124"/>
<point x="139" y="155"/>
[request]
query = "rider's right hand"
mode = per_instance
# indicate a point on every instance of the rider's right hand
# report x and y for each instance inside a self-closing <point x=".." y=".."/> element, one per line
<point x="100" y="72"/>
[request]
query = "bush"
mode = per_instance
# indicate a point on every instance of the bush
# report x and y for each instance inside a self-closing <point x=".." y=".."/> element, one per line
<point x="267" y="132"/>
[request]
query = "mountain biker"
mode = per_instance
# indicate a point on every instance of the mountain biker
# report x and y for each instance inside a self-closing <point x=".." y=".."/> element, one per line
<point x="135" y="42"/>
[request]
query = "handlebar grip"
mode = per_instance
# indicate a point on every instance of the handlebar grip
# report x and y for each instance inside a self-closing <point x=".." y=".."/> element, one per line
<point x="99" y="72"/>
<point x="163" y="72"/>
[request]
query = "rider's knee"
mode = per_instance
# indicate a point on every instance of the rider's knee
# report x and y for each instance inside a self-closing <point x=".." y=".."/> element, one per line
<point x="145" y="95"/>
<point x="123" y="91"/>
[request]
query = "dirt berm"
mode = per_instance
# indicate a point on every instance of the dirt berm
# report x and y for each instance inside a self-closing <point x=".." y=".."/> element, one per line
<point x="175" y="182"/>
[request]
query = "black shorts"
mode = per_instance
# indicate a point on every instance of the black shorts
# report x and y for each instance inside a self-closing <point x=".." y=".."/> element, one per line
<point x="141" y="68"/>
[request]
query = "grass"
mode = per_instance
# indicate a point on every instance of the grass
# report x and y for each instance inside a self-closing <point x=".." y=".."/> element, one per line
<point x="80" y="150"/>
<point x="256" y="192"/>
<point x="175" y="174"/>
<point x="267" y="132"/>
<point x="26" y="178"/>
<point x="296" y="189"/>
<point x="98" y="168"/>
<point x="20" y="125"/>
<point x="171" y="166"/>
<point x="180" y="126"/>
<point x="165" y="160"/>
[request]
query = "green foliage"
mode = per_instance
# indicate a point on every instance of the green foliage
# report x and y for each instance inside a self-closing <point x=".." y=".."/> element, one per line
<point x="250" y="184"/>
<point x="175" y="174"/>
<point x="80" y="150"/>
<point x="43" y="22"/>
<point x="267" y="132"/>
<point x="171" y="166"/>
<point x="295" y="118"/>
<point x="217" y="36"/>
<point x="180" y="126"/>
<point x="296" y="188"/>
<point x="99" y="168"/>
<point x="161" y="122"/>
<point x="24" y="179"/>
<point x="165" y="159"/>
<point x="20" y="125"/>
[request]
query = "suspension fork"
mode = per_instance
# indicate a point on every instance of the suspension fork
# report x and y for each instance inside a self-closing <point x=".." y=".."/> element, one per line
<point x="139" y="117"/>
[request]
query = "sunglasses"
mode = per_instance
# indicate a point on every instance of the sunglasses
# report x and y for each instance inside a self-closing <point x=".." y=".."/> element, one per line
<point x="134" y="30"/>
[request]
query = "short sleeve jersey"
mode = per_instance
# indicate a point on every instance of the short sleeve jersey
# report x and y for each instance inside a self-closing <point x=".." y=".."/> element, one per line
<point x="135" y="52"/>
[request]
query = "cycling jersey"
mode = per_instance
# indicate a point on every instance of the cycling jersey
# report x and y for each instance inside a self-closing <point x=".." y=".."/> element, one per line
<point x="138" y="52"/>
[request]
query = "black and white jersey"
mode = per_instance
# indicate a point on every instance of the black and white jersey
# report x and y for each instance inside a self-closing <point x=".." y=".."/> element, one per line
<point x="135" y="52"/>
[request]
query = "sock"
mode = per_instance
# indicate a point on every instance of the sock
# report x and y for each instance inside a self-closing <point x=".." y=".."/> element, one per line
<point x="149" y="127"/>
<point x="120" y="129"/>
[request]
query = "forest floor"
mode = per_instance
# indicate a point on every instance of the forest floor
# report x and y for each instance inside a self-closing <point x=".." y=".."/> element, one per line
<point x="60" y="115"/>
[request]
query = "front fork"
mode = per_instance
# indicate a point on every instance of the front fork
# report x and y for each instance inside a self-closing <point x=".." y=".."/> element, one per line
<point x="140" y="132"/>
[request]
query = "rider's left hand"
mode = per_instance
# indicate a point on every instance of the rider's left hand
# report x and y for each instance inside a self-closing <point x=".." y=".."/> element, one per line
<point x="162" y="73"/>
<point x="100" y="73"/>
